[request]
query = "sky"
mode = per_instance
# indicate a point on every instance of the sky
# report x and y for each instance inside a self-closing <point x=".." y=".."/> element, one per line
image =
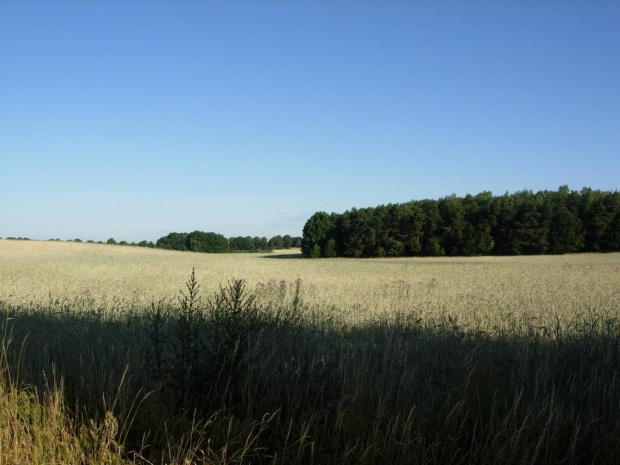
<point x="133" y="119"/>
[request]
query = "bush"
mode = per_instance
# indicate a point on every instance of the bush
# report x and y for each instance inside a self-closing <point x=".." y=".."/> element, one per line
<point x="199" y="341"/>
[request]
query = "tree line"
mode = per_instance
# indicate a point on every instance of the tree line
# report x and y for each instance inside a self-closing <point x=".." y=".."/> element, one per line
<point x="207" y="242"/>
<point x="522" y="223"/>
<point x="210" y="242"/>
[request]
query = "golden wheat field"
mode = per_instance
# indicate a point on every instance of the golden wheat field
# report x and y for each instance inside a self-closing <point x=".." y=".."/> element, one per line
<point x="481" y="292"/>
<point x="407" y="360"/>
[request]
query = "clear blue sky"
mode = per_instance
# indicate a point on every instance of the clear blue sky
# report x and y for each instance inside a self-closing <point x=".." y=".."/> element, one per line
<point x="132" y="119"/>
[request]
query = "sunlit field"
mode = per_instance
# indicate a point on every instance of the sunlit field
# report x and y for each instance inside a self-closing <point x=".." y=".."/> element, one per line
<point x="116" y="354"/>
<point x="481" y="291"/>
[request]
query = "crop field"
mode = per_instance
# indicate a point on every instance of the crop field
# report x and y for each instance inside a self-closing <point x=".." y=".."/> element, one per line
<point x="483" y="291"/>
<point x="273" y="358"/>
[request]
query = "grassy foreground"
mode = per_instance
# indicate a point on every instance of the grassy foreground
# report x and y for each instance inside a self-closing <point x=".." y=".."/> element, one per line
<point x="490" y="360"/>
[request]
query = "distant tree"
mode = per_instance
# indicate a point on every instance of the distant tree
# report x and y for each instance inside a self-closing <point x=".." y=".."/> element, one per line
<point x="434" y="248"/>
<point x="90" y="241"/>
<point x="317" y="231"/>
<point x="407" y="221"/>
<point x="173" y="241"/>
<point x="565" y="228"/>
<point x="263" y="244"/>
<point x="111" y="241"/>
<point x="260" y="244"/>
<point x="394" y="248"/>
<point x="598" y="215"/>
<point x="241" y="244"/>
<point x="287" y="241"/>
<point x="255" y="243"/>
<point x="248" y="243"/>
<point x="77" y="240"/>
<point x="330" y="249"/>
<point x="234" y="244"/>
<point x="612" y="239"/>
<point x="296" y="242"/>
<point x="480" y="220"/>
<point x="360" y="233"/>
<point x="432" y="223"/>
<point x="276" y="242"/>
<point x="123" y="243"/>
<point x="207" y="242"/>
<point x="530" y="231"/>
<point x="315" y="251"/>
<point x="477" y="240"/>
<point x="566" y="233"/>
<point x="453" y="224"/>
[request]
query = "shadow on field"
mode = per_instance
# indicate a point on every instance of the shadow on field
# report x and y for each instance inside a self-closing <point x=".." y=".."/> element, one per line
<point x="308" y="389"/>
<point x="286" y="256"/>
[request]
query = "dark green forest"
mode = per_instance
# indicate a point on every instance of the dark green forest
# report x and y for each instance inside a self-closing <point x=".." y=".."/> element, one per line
<point x="206" y="242"/>
<point x="522" y="223"/>
<point x="210" y="242"/>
